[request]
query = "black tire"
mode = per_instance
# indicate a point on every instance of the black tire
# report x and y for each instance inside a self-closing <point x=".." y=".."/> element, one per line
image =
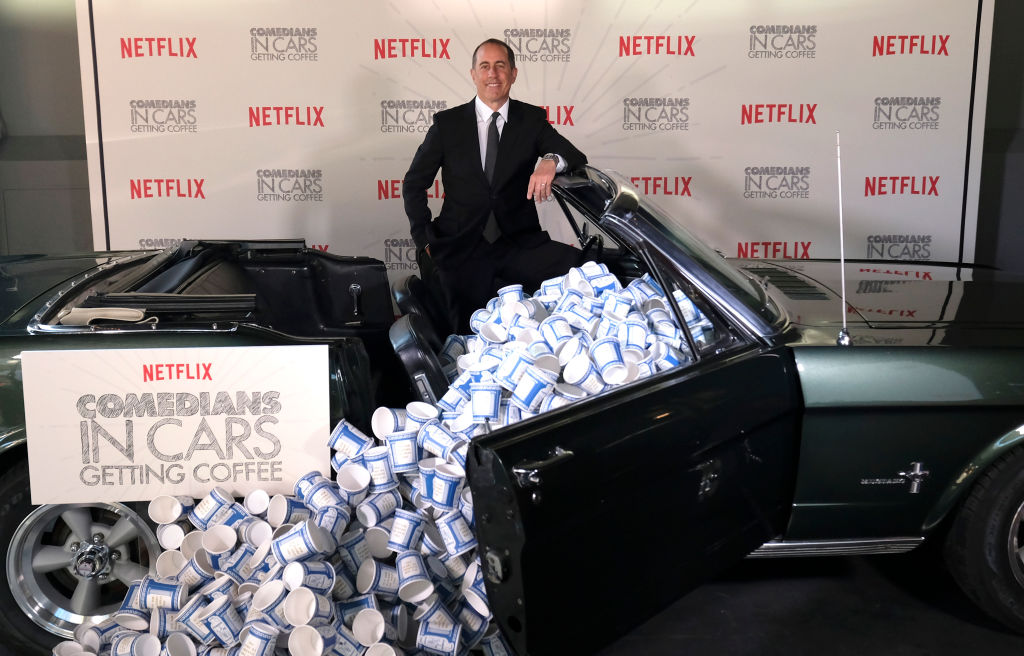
<point x="984" y="549"/>
<point x="23" y="529"/>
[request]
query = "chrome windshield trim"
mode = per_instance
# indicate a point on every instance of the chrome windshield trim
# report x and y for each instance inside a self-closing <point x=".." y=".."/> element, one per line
<point x="11" y="438"/>
<point x="36" y="325"/>
<point x="854" y="547"/>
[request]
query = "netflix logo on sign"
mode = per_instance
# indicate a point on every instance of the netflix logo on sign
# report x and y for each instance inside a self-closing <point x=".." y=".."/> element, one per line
<point x="901" y="185"/>
<point x="159" y="46"/>
<point x="910" y="44"/>
<point x="778" y="113"/>
<point x="309" y="116"/>
<point x="392" y="48"/>
<point x="559" y="114"/>
<point x="660" y="44"/>
<point x="663" y="185"/>
<point x="167" y="188"/>
<point x="775" y="250"/>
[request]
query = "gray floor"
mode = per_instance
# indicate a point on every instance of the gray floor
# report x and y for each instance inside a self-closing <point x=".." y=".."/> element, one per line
<point x="901" y="605"/>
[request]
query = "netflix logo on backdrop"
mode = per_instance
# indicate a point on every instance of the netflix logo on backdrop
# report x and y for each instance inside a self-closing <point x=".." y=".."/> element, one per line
<point x="910" y="44"/>
<point x="167" y="188"/>
<point x="778" y="113"/>
<point x="560" y="114"/>
<point x="665" y="185"/>
<point x="133" y="47"/>
<point x="901" y="185"/>
<point x="404" y="48"/>
<point x="271" y="115"/>
<point x="656" y="44"/>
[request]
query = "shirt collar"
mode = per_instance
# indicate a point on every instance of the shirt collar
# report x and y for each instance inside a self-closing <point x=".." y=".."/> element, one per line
<point x="483" y="112"/>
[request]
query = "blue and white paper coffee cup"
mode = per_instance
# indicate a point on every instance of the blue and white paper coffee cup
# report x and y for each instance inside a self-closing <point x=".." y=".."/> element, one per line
<point x="204" y="511"/>
<point x="414" y="584"/>
<point x="378" y="507"/>
<point x="403" y="451"/>
<point x="374" y="577"/>
<point x="348" y="439"/>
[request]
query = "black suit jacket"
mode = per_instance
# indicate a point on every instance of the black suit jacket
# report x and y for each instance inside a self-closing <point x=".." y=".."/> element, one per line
<point x="452" y="145"/>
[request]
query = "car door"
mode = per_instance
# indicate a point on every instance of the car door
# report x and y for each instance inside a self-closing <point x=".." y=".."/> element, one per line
<point x="593" y="517"/>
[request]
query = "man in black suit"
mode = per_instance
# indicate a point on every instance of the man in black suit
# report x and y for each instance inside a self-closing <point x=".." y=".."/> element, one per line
<point x="488" y="233"/>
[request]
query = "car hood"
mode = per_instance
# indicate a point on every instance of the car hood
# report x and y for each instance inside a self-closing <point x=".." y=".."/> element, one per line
<point x="25" y="278"/>
<point x="894" y="303"/>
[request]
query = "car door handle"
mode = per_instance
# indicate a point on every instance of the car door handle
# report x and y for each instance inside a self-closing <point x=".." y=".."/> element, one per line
<point x="528" y="472"/>
<point x="355" y="290"/>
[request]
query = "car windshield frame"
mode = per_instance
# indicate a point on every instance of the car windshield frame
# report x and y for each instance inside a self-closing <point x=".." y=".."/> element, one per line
<point x="646" y="226"/>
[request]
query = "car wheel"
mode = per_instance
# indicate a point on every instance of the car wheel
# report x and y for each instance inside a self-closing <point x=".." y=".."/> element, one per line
<point x="65" y="563"/>
<point x="985" y="546"/>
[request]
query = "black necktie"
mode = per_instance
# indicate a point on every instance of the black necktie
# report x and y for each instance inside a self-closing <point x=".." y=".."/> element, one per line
<point x="491" y="229"/>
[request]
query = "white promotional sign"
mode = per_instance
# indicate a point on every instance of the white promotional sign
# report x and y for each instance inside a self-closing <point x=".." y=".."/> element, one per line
<point x="130" y="425"/>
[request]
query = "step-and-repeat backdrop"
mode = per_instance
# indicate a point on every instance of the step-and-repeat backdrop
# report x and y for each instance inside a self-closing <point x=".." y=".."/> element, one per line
<point x="284" y="119"/>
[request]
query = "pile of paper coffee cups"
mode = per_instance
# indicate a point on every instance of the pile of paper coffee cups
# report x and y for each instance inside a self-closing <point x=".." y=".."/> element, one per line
<point x="382" y="560"/>
<point x="579" y="335"/>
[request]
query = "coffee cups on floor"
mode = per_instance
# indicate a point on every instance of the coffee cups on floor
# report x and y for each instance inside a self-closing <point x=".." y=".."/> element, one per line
<point x="131" y="614"/>
<point x="334" y="520"/>
<point x="286" y="510"/>
<point x="454" y="529"/>
<point x="382" y="477"/>
<point x="417" y="414"/>
<point x="378" y="507"/>
<point x="348" y="439"/>
<point x="167" y="509"/>
<point x="446" y="486"/>
<point x="353" y="550"/>
<point x="135" y="644"/>
<point x="260" y="640"/>
<point x="169" y="563"/>
<point x="303" y="541"/>
<point x="223" y="620"/>
<point x="354" y="482"/>
<point x="406" y="531"/>
<point x="322" y="495"/>
<point x="315" y="575"/>
<point x="303" y="606"/>
<point x="203" y="512"/>
<point x="154" y="593"/>
<point x="414" y="585"/>
<point x="377" y="578"/>
<point x="219" y="542"/>
<point x="197" y="570"/>
<point x="403" y="451"/>
<point x="269" y="600"/>
<point x="386" y="421"/>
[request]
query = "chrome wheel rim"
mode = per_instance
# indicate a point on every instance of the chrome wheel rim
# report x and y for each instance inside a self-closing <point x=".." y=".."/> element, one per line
<point x="70" y="563"/>
<point x="1015" y="545"/>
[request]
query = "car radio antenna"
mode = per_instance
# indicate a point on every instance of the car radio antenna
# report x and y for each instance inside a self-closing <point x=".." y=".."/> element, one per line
<point x="844" y="335"/>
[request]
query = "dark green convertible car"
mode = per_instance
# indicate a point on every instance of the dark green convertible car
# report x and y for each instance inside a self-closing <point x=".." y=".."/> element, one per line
<point x="774" y="440"/>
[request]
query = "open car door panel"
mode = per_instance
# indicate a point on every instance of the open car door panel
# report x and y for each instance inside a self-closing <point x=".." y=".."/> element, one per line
<point x="596" y="516"/>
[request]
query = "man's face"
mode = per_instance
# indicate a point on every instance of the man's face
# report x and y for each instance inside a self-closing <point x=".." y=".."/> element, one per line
<point x="492" y="75"/>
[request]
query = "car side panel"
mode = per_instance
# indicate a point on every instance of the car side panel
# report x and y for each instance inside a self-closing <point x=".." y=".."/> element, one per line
<point x="873" y="412"/>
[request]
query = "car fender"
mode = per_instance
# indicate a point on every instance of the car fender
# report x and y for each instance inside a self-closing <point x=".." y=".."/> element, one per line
<point x="962" y="484"/>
